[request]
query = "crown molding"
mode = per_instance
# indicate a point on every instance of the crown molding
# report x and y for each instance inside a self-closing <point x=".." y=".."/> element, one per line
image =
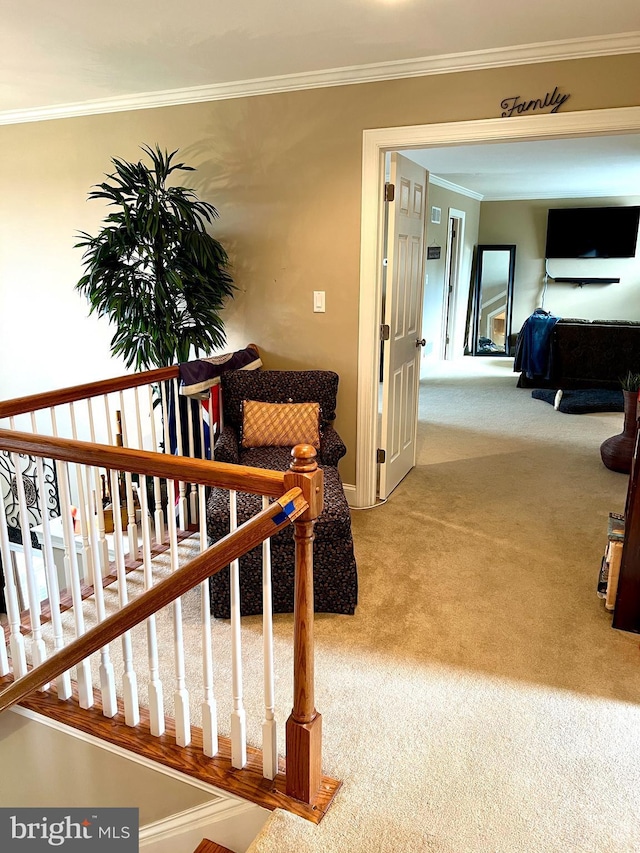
<point x="532" y="196"/>
<point x="449" y="63"/>
<point x="456" y="188"/>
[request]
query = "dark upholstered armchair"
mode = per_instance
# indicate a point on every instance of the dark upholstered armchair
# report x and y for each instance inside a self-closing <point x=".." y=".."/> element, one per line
<point x="335" y="576"/>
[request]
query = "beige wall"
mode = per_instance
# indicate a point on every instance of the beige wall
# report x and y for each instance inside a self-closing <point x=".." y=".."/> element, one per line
<point x="284" y="171"/>
<point x="525" y="224"/>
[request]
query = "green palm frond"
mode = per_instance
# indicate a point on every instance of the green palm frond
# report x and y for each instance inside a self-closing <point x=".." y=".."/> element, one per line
<point x="153" y="269"/>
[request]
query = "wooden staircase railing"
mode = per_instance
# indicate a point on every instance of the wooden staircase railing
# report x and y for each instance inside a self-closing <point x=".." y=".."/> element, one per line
<point x="252" y="533"/>
<point x="75" y="393"/>
<point x="298" y="499"/>
<point x="239" y="477"/>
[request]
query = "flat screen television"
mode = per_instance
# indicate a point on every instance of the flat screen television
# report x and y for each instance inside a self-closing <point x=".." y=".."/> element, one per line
<point x="592" y="232"/>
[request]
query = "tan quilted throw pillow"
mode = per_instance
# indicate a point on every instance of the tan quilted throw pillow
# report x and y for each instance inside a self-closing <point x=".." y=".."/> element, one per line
<point x="280" y="424"/>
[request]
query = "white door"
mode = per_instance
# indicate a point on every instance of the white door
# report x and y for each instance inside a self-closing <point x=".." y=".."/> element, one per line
<point x="402" y="321"/>
<point x="451" y="277"/>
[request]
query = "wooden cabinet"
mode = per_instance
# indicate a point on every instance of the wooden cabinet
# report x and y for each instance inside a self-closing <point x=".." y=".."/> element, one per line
<point x="626" y="615"/>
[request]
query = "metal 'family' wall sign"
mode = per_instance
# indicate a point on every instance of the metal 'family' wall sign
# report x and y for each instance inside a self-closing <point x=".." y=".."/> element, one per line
<point x="516" y="105"/>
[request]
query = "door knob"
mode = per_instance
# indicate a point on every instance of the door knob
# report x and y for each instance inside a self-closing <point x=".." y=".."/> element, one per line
<point x="420" y="342"/>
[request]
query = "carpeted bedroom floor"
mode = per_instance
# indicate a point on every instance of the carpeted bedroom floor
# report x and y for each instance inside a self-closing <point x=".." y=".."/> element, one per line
<point x="479" y="699"/>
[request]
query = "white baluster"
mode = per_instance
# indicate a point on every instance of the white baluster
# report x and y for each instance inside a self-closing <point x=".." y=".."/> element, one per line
<point x="156" y="696"/>
<point x="140" y="446"/>
<point x="101" y="549"/>
<point x="138" y="419"/>
<point x="89" y="502"/>
<point x="181" y="695"/>
<point x="63" y="682"/>
<point x="203" y="449"/>
<point x="171" y="506"/>
<point x="238" y="714"/>
<point x="5" y="669"/>
<point x="165" y="416"/>
<point x="193" y="491"/>
<point x="158" y="517"/>
<point x="89" y="572"/>
<point x="87" y="553"/>
<point x="132" y="527"/>
<point x="182" y="489"/>
<point x="129" y="679"/>
<point x="16" y="640"/>
<point x="113" y="441"/>
<point x="83" y="669"/>
<point x="269" y="725"/>
<point x="208" y="706"/>
<point x="107" y="675"/>
<point x="38" y="648"/>
<point x="107" y="414"/>
<point x="212" y="426"/>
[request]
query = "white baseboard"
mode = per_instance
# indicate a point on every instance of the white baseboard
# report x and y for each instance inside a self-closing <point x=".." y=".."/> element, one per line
<point x="232" y="823"/>
<point x="350" y="493"/>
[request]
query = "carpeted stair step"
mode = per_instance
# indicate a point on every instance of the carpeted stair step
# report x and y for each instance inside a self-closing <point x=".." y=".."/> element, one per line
<point x="207" y="846"/>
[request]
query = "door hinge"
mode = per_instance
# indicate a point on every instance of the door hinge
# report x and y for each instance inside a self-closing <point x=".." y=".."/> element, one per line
<point x="381" y="456"/>
<point x="389" y="192"/>
<point x="385" y="332"/>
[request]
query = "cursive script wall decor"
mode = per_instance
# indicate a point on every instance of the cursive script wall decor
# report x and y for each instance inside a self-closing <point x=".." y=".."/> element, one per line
<point x="516" y="105"/>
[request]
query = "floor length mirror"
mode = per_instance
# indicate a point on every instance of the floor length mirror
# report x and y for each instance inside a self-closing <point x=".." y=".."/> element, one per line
<point x="492" y="299"/>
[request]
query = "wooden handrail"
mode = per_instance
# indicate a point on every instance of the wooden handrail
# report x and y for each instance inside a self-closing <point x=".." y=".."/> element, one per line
<point x="258" y="481"/>
<point x="35" y="402"/>
<point x="249" y="535"/>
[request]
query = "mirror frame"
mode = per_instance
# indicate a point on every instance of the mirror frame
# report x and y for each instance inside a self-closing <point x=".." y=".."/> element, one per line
<point x="482" y="249"/>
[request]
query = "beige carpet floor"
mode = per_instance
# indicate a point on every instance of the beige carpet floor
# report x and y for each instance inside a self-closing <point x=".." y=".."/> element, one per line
<point x="479" y="700"/>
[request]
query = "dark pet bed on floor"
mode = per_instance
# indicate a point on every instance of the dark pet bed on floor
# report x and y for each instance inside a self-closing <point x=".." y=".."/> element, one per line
<point x="584" y="400"/>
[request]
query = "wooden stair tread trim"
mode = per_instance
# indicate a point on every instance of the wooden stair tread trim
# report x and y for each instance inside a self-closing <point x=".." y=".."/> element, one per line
<point x="207" y="846"/>
<point x="248" y="783"/>
<point x="66" y="602"/>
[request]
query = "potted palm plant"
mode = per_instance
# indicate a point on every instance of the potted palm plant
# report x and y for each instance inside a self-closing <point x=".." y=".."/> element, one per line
<point x="153" y="269"/>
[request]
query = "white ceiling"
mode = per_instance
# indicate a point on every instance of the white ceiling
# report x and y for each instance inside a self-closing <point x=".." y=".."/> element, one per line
<point x="556" y="168"/>
<point x="70" y="51"/>
<point x="69" y="57"/>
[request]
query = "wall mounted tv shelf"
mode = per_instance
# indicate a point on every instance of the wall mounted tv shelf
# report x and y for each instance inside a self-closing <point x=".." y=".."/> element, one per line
<point x="584" y="280"/>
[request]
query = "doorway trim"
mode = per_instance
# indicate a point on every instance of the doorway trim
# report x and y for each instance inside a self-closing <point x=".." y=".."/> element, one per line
<point x="450" y="299"/>
<point x="375" y="143"/>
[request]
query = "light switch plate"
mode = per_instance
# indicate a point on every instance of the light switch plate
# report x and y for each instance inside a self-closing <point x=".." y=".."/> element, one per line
<point x="318" y="302"/>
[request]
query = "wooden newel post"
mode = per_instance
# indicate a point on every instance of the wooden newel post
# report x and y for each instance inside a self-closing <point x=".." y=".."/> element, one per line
<point x="304" y="726"/>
